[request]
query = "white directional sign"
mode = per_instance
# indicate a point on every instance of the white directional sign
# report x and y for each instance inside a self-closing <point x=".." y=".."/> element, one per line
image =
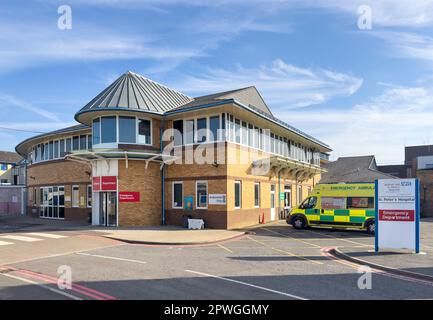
<point x="397" y="214"/>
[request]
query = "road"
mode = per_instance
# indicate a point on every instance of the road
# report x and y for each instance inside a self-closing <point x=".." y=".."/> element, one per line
<point x="275" y="262"/>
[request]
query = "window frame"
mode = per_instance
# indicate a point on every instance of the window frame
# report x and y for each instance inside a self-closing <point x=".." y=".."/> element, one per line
<point x="73" y="198"/>
<point x="258" y="195"/>
<point x="196" y="194"/>
<point x="172" y="194"/>
<point x="238" y="182"/>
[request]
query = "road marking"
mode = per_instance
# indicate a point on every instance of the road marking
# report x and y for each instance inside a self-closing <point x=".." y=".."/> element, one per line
<point x="21" y="238"/>
<point x="285" y="252"/>
<point x="296" y="239"/>
<point x="109" y="257"/>
<point x="5" y="243"/>
<point x="47" y="235"/>
<point x="341" y="239"/>
<point x="248" y="284"/>
<point x="71" y="296"/>
<point x="225" y="248"/>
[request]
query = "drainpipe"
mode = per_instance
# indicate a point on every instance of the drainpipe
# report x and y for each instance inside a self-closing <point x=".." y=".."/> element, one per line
<point x="279" y="191"/>
<point x="162" y="173"/>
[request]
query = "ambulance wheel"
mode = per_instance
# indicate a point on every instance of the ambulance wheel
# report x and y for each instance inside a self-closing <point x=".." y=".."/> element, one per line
<point x="298" y="222"/>
<point x="370" y="227"/>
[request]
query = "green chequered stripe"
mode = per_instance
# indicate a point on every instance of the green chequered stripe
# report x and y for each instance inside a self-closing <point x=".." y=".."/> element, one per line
<point x="310" y="211"/>
<point x="341" y="212"/>
<point x="370" y="213"/>
<point x="357" y="219"/>
<point x="326" y="218"/>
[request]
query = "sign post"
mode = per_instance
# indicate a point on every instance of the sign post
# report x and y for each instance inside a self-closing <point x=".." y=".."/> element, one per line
<point x="397" y="208"/>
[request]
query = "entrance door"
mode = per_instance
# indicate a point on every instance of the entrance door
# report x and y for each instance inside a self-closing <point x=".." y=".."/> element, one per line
<point x="287" y="197"/>
<point x="272" y="202"/>
<point x="108" y="208"/>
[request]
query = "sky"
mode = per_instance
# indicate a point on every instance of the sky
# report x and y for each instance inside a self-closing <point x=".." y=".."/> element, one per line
<point x="363" y="86"/>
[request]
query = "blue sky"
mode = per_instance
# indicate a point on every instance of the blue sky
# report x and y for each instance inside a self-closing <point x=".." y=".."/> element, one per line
<point x="361" y="91"/>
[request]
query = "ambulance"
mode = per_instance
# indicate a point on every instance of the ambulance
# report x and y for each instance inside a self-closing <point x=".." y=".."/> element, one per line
<point x="340" y="205"/>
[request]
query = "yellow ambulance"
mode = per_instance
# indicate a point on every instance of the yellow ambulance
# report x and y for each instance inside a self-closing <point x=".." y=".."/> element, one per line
<point x="339" y="205"/>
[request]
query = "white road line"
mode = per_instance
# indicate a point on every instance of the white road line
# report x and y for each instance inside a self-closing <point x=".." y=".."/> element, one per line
<point x="112" y="258"/>
<point x="70" y="296"/>
<point x="248" y="284"/>
<point x="5" y="243"/>
<point x="21" y="238"/>
<point x="46" y="235"/>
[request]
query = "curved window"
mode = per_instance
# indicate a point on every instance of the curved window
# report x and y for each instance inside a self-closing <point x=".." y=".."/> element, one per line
<point x="108" y="129"/>
<point x="127" y="129"/>
<point x="144" y="131"/>
<point x="96" y="130"/>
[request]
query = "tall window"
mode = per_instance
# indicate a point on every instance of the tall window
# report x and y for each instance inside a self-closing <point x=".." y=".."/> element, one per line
<point x="178" y="132"/>
<point x="75" y="143"/>
<point x="75" y="196"/>
<point x="144" y="131"/>
<point x="238" y="194"/>
<point x="201" y="194"/>
<point x="201" y="130"/>
<point x="257" y="194"/>
<point x="189" y="131"/>
<point x="68" y="145"/>
<point x="214" y="124"/>
<point x="237" y="131"/>
<point x="250" y="135"/>
<point x="62" y="148"/>
<point x="89" y="196"/>
<point x="177" y="195"/>
<point x="89" y="142"/>
<point x="108" y="129"/>
<point x="51" y="150"/>
<point x="52" y="202"/>
<point x="96" y="131"/>
<point x="244" y="133"/>
<point x="127" y="129"/>
<point x="83" y="142"/>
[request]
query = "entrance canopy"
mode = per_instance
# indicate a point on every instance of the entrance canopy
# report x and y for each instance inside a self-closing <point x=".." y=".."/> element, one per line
<point x="289" y="168"/>
<point x="108" y="154"/>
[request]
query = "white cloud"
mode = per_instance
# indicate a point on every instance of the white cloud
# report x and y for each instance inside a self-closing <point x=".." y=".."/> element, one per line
<point x="11" y="101"/>
<point x="382" y="126"/>
<point x="408" y="45"/>
<point x="281" y="84"/>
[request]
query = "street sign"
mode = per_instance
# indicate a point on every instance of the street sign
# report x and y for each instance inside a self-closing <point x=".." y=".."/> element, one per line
<point x="397" y="214"/>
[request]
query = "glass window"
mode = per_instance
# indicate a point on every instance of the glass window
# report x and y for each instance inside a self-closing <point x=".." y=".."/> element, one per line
<point x="127" y="129"/>
<point x="56" y="149"/>
<point x="42" y="157"/>
<point x="256" y="137"/>
<point x="46" y="157"/>
<point x="68" y="145"/>
<point x="238" y="194"/>
<point x="201" y="130"/>
<point x="62" y="148"/>
<point x="89" y="196"/>
<point x="75" y="196"/>
<point x="257" y="194"/>
<point x="89" y="142"/>
<point x="108" y="130"/>
<point x="144" y="131"/>
<point x="244" y="133"/>
<point x="214" y="124"/>
<point x="96" y="131"/>
<point x="309" y="203"/>
<point x="75" y="143"/>
<point x="189" y="131"/>
<point x="250" y="135"/>
<point x="360" y="202"/>
<point x="237" y="131"/>
<point x="50" y="150"/>
<point x="177" y="195"/>
<point x="178" y="132"/>
<point x="272" y="143"/>
<point x="223" y="127"/>
<point x="333" y="202"/>
<point x="201" y="194"/>
<point x="83" y="142"/>
<point x="4" y="166"/>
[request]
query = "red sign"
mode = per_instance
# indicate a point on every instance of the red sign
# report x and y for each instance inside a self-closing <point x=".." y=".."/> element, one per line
<point x="108" y="183"/>
<point x="397" y="215"/>
<point x="126" y="196"/>
<point x="96" y="184"/>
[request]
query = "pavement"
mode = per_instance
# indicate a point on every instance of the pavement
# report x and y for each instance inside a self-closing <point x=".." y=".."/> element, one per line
<point x="170" y="235"/>
<point x="272" y="261"/>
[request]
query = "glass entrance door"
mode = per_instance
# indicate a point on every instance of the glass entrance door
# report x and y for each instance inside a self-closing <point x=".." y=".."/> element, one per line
<point x="108" y="209"/>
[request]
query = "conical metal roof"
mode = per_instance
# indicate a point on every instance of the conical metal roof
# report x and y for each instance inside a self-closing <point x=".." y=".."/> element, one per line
<point x="133" y="91"/>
